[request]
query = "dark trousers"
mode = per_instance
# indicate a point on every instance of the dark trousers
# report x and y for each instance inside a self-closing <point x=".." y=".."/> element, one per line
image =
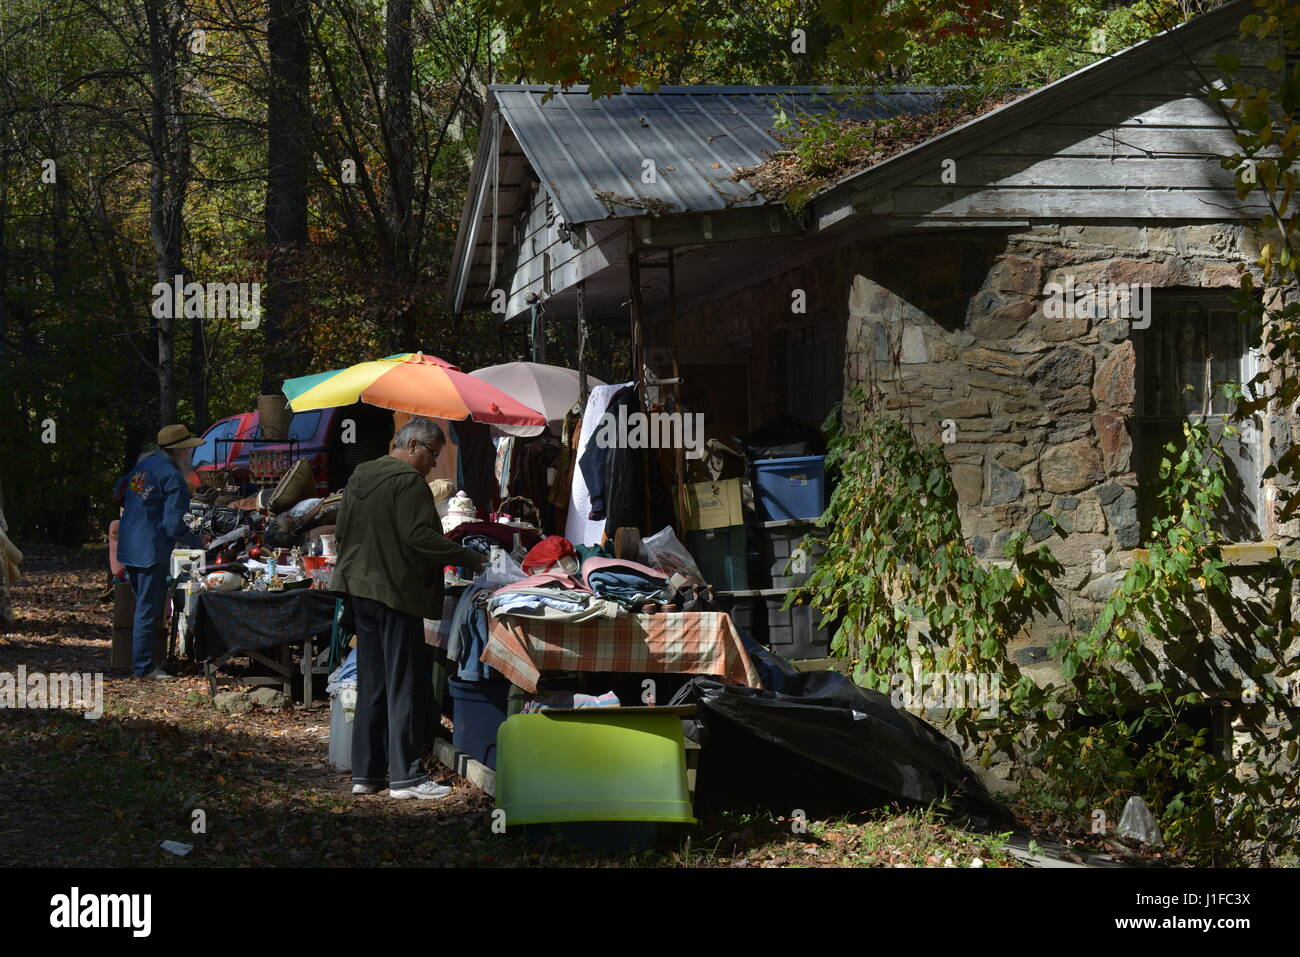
<point x="150" y="587"/>
<point x="391" y="724"/>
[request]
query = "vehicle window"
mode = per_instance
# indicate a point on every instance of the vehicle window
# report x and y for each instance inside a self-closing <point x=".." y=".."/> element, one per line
<point x="211" y="450"/>
<point x="303" y="425"/>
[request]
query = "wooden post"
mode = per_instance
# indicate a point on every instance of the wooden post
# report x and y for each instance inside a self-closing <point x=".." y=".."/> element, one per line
<point x="634" y="281"/>
<point x="679" y="457"/>
<point x="638" y="357"/>
<point x="582" y="344"/>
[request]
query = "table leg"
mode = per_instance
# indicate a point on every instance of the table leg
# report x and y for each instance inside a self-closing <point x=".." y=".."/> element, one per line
<point x="286" y="672"/>
<point x="308" y="669"/>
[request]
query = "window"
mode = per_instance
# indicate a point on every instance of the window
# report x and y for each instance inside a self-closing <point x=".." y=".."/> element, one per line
<point x="815" y="357"/>
<point x="1196" y="342"/>
<point x="211" y="452"/>
<point x="303" y="426"/>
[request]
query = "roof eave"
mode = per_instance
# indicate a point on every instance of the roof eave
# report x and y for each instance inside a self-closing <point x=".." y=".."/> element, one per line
<point x="1133" y="61"/>
<point x="462" y="259"/>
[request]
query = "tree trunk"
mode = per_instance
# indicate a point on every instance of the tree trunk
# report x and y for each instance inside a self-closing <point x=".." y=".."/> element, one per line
<point x="6" y="612"/>
<point x="400" y="187"/>
<point x="198" y="375"/>
<point x="287" y="156"/>
<point x="137" y="412"/>
<point x="168" y="181"/>
<point x="397" y="111"/>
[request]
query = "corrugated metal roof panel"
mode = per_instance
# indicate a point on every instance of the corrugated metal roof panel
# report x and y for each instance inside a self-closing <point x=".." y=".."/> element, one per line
<point x="589" y="152"/>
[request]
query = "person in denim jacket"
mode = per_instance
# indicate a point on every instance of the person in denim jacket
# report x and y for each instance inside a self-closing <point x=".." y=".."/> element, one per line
<point x="155" y="496"/>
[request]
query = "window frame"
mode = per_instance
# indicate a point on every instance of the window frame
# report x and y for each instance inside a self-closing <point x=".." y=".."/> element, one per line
<point x="1167" y="303"/>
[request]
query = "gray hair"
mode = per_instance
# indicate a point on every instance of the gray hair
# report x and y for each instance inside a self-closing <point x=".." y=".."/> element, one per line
<point x="423" y="430"/>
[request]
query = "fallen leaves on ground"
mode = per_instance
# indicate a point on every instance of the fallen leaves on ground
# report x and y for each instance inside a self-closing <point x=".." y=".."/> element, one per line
<point x="257" y="789"/>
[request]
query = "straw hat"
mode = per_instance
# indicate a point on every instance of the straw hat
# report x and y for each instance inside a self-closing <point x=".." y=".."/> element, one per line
<point x="441" y="489"/>
<point x="177" y="437"/>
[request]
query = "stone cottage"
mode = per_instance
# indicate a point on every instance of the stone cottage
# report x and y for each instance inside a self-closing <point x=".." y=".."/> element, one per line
<point x="1044" y="289"/>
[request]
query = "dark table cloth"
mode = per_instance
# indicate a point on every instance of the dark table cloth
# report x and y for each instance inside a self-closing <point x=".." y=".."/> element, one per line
<point x="258" y="621"/>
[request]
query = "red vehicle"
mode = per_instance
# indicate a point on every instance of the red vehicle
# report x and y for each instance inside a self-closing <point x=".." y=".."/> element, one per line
<point x="222" y="445"/>
<point x="334" y="440"/>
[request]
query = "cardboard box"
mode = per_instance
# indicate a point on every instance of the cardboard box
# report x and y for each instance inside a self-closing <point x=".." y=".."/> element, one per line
<point x="713" y="504"/>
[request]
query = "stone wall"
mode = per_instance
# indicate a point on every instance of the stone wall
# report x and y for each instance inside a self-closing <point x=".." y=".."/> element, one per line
<point x="1039" y="411"/>
<point x="950" y="330"/>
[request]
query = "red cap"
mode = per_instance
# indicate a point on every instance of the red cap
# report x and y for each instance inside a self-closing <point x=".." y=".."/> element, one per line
<point x="547" y="552"/>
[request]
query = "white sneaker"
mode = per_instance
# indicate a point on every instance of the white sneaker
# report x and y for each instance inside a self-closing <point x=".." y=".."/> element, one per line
<point x="158" y="673"/>
<point x="366" y="789"/>
<point x="426" y="791"/>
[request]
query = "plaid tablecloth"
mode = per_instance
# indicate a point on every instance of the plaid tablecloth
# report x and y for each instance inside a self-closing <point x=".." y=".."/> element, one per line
<point x="701" y="643"/>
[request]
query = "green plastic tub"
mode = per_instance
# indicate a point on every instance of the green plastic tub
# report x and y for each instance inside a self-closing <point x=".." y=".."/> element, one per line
<point x="593" y="764"/>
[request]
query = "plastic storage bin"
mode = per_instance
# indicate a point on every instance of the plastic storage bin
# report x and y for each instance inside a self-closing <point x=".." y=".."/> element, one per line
<point x="791" y="488"/>
<point x="598" y="764"/>
<point x="340" y="735"/>
<point x="720" y="553"/>
<point x="789" y="564"/>
<point x="478" y="710"/>
<point x="792" y="632"/>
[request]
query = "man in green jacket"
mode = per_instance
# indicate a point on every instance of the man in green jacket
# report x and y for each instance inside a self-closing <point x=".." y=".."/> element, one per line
<point x="391" y="558"/>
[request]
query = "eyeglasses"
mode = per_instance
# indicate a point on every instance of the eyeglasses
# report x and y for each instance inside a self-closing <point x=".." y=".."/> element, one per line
<point x="432" y="451"/>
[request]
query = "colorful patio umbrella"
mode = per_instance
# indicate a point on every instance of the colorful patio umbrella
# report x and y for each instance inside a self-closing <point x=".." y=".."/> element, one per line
<point x="411" y="382"/>
<point x="551" y="390"/>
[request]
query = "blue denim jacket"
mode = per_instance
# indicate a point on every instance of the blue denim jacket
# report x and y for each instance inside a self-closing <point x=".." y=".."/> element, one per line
<point x="157" y="498"/>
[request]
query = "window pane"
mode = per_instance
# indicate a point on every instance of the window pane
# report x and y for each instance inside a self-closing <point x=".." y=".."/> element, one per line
<point x="1194" y="354"/>
<point x="303" y="425"/>
<point x="211" y="450"/>
<point x="1225" y="346"/>
<point x="1193" y="345"/>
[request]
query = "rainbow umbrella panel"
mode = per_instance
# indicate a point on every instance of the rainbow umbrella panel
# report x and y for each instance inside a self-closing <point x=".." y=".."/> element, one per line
<point x="411" y="382"/>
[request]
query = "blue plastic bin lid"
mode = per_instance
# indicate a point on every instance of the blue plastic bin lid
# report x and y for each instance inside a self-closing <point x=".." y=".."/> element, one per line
<point x="794" y="462"/>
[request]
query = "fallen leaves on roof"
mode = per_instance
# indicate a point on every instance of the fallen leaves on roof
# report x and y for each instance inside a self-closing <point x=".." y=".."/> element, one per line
<point x="825" y="150"/>
<point x="653" y="206"/>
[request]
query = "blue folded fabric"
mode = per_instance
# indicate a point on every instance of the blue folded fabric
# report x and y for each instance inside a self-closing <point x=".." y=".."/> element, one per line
<point x="629" y="587"/>
<point x="507" y="601"/>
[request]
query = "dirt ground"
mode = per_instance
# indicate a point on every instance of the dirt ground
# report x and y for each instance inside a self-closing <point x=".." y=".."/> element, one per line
<point x="257" y="789"/>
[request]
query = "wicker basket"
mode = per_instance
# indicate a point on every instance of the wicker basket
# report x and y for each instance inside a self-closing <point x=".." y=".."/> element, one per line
<point x="521" y="508"/>
<point x="273" y="414"/>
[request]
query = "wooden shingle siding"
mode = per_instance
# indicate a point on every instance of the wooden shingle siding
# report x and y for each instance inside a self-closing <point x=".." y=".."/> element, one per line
<point x="1075" y="139"/>
<point x="1088" y="171"/>
<point x="521" y="269"/>
<point x="1147" y="148"/>
<point x="1066" y="203"/>
<point x="542" y="248"/>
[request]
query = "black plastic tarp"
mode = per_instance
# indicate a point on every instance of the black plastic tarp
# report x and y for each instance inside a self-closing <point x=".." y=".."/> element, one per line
<point x="782" y="437"/>
<point x="823" y="744"/>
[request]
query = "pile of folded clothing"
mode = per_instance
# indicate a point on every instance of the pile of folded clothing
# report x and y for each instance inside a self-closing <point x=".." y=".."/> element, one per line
<point x="553" y="596"/>
<point x="550" y="584"/>
<point x="629" y="583"/>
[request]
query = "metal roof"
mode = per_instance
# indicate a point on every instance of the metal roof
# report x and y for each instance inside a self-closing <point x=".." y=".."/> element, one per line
<point x="590" y="153"/>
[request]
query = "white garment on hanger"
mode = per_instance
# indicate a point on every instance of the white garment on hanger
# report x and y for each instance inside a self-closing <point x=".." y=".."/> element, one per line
<point x="578" y="526"/>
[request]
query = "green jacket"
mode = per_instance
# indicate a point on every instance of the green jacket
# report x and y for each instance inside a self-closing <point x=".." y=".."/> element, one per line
<point x="390" y="542"/>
